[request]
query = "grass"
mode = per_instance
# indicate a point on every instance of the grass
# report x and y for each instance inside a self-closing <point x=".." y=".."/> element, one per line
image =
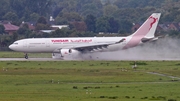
<point x="88" y="80"/>
<point x="11" y="54"/>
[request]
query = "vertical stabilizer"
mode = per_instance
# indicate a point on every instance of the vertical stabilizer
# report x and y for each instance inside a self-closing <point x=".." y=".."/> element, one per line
<point x="147" y="30"/>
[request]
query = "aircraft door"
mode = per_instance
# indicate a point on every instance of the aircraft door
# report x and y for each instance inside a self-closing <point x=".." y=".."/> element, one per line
<point x="25" y="44"/>
<point x="94" y="40"/>
<point x="47" y="43"/>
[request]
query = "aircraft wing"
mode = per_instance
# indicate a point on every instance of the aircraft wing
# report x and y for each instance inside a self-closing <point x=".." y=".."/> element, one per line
<point x="92" y="46"/>
<point x="89" y="46"/>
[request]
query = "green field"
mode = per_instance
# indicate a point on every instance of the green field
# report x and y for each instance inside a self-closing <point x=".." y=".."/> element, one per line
<point x="89" y="81"/>
<point x="12" y="54"/>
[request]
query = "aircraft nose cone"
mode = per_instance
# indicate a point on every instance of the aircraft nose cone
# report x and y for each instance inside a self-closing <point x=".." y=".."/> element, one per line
<point x="11" y="47"/>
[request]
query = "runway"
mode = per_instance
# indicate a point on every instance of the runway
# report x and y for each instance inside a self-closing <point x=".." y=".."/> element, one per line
<point x="51" y="59"/>
<point x="30" y="59"/>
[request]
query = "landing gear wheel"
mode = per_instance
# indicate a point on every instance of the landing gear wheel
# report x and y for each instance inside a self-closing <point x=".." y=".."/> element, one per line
<point x="26" y="56"/>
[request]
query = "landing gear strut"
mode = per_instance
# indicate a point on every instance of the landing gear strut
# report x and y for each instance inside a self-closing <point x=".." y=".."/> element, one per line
<point x="61" y="53"/>
<point x="26" y="56"/>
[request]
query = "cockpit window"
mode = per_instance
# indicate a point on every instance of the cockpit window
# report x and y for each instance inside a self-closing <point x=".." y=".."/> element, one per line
<point x="16" y="43"/>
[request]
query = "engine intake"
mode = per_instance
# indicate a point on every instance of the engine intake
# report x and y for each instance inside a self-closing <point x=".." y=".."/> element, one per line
<point x="65" y="52"/>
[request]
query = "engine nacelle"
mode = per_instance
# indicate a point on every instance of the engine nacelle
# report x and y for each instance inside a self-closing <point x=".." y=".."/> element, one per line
<point x="66" y="54"/>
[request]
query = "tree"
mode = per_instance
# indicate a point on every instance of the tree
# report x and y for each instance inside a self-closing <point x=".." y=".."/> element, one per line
<point x="60" y="33"/>
<point x="114" y="25"/>
<point x="4" y="8"/>
<point x="10" y="16"/>
<point x="15" y="36"/>
<point x="41" y="7"/>
<point x="45" y="35"/>
<point x="79" y="26"/>
<point x="5" y="40"/>
<point x="110" y="9"/>
<point x="102" y="24"/>
<point x="90" y="9"/>
<point x="90" y="21"/>
<point x="107" y="24"/>
<point x="2" y="29"/>
<point x="42" y="20"/>
<point x="18" y="7"/>
<point x="72" y="16"/>
<point x="24" y="30"/>
<point x="61" y="21"/>
<point x="125" y="27"/>
<point x="34" y="17"/>
<point x="85" y="34"/>
<point x="138" y="3"/>
<point x="42" y="24"/>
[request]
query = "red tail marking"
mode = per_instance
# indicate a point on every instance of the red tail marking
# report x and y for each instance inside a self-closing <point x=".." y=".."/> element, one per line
<point x="154" y="21"/>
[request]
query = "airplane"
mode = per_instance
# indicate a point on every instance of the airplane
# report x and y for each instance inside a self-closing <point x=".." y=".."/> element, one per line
<point x="74" y="47"/>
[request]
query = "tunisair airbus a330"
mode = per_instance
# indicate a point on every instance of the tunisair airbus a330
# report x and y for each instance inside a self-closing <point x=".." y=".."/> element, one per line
<point x="76" y="46"/>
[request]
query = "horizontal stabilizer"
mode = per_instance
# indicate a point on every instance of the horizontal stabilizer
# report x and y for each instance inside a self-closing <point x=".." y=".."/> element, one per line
<point x="144" y="40"/>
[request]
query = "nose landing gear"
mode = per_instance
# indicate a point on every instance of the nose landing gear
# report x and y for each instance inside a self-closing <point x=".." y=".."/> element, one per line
<point x="26" y="56"/>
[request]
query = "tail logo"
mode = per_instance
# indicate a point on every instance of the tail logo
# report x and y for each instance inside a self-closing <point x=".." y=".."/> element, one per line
<point x="154" y="21"/>
<point x="147" y="28"/>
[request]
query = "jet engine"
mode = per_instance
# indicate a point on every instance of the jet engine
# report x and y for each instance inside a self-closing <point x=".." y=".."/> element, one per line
<point x="67" y="54"/>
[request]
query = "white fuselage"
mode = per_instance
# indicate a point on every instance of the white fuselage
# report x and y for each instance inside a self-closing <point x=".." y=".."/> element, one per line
<point x="49" y="45"/>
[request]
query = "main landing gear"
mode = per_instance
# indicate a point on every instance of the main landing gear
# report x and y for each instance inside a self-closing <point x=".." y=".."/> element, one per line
<point x="26" y="56"/>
